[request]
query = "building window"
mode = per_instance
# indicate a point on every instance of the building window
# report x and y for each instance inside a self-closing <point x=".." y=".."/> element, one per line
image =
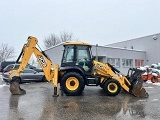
<point x="139" y="63"/>
<point x="127" y="62"/>
<point x="114" y="61"/>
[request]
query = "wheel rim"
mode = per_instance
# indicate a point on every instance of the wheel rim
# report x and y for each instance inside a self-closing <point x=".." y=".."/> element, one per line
<point x="112" y="87"/>
<point x="72" y="83"/>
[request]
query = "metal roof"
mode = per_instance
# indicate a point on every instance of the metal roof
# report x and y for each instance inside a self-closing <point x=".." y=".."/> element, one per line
<point x="76" y="43"/>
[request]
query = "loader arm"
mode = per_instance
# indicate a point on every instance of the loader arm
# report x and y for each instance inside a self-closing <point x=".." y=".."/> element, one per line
<point x="132" y="84"/>
<point x="51" y="74"/>
<point x="105" y="70"/>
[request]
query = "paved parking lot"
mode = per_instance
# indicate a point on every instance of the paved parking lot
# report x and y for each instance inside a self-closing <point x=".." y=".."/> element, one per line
<point x="93" y="104"/>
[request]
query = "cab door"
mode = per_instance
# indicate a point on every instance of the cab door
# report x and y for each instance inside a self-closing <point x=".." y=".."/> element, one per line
<point x="83" y="58"/>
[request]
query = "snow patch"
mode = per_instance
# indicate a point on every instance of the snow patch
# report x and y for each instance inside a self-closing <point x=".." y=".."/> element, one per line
<point x="155" y="100"/>
<point x="149" y="82"/>
<point x="148" y="87"/>
<point x="1" y="86"/>
<point x="158" y="84"/>
<point x="27" y="83"/>
<point x="141" y="100"/>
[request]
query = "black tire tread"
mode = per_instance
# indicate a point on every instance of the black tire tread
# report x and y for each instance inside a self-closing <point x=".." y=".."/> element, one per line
<point x="106" y="90"/>
<point x="81" y="83"/>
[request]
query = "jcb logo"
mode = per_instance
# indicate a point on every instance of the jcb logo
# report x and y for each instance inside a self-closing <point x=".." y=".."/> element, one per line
<point x="100" y="66"/>
<point x="42" y="61"/>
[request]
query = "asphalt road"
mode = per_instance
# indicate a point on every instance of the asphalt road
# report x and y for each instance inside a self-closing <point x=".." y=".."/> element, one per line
<point x="93" y="104"/>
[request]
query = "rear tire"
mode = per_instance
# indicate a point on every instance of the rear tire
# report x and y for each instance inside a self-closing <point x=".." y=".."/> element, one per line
<point x="112" y="87"/>
<point x="153" y="79"/>
<point x="44" y="79"/>
<point x="72" y="83"/>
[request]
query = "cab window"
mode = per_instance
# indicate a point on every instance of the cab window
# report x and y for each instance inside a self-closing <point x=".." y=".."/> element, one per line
<point x="68" y="54"/>
<point x="83" y="53"/>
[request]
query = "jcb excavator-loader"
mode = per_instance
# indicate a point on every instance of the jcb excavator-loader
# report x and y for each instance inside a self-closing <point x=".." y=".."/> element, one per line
<point x="78" y="68"/>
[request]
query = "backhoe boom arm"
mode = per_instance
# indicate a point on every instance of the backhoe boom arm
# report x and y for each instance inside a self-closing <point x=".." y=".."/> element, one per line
<point x="45" y="63"/>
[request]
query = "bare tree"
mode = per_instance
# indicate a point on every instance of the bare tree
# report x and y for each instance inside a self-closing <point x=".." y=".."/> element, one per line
<point x="53" y="39"/>
<point x="65" y="36"/>
<point x="6" y="52"/>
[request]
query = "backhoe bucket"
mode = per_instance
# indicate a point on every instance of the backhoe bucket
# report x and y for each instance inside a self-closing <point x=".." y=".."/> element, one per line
<point x="15" y="87"/>
<point x="137" y="89"/>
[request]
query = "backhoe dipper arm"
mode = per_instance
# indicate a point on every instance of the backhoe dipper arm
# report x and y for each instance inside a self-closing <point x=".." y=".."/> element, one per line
<point x="46" y="64"/>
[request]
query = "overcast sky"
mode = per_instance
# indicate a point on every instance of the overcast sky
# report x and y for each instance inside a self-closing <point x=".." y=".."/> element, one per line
<point x="95" y="21"/>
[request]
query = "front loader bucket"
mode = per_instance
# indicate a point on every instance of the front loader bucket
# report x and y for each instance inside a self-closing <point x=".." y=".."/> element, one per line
<point x="15" y="87"/>
<point x="137" y="89"/>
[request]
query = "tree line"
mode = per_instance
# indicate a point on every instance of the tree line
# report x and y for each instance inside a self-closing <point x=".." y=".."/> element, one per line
<point x="7" y="52"/>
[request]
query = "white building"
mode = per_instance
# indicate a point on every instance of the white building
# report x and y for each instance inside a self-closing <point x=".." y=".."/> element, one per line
<point x="150" y="44"/>
<point x="123" y="55"/>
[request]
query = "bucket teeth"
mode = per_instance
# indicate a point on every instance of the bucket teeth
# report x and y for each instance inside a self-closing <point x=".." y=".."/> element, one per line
<point x="140" y="92"/>
<point x="15" y="87"/>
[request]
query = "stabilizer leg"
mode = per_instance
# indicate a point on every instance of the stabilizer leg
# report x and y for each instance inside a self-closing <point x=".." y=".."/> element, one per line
<point x="55" y="92"/>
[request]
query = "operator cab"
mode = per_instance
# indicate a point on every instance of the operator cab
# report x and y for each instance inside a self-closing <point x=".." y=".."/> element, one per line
<point x="77" y="54"/>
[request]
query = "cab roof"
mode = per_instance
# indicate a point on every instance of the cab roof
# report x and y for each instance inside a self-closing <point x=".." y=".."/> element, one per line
<point x="76" y="43"/>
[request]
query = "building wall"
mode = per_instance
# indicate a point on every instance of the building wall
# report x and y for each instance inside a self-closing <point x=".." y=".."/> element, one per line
<point x="120" y="53"/>
<point x="150" y="44"/>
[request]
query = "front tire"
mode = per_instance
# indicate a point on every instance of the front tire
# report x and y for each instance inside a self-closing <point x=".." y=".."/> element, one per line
<point x="72" y="83"/>
<point x="112" y="87"/>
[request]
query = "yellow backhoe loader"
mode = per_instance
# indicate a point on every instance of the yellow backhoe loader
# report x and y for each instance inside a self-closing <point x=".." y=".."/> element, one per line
<point x="78" y="69"/>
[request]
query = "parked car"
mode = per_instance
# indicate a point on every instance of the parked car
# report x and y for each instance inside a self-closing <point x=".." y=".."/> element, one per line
<point x="27" y="75"/>
<point x="9" y="67"/>
<point x="4" y="64"/>
<point x="34" y="68"/>
<point x="15" y="66"/>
